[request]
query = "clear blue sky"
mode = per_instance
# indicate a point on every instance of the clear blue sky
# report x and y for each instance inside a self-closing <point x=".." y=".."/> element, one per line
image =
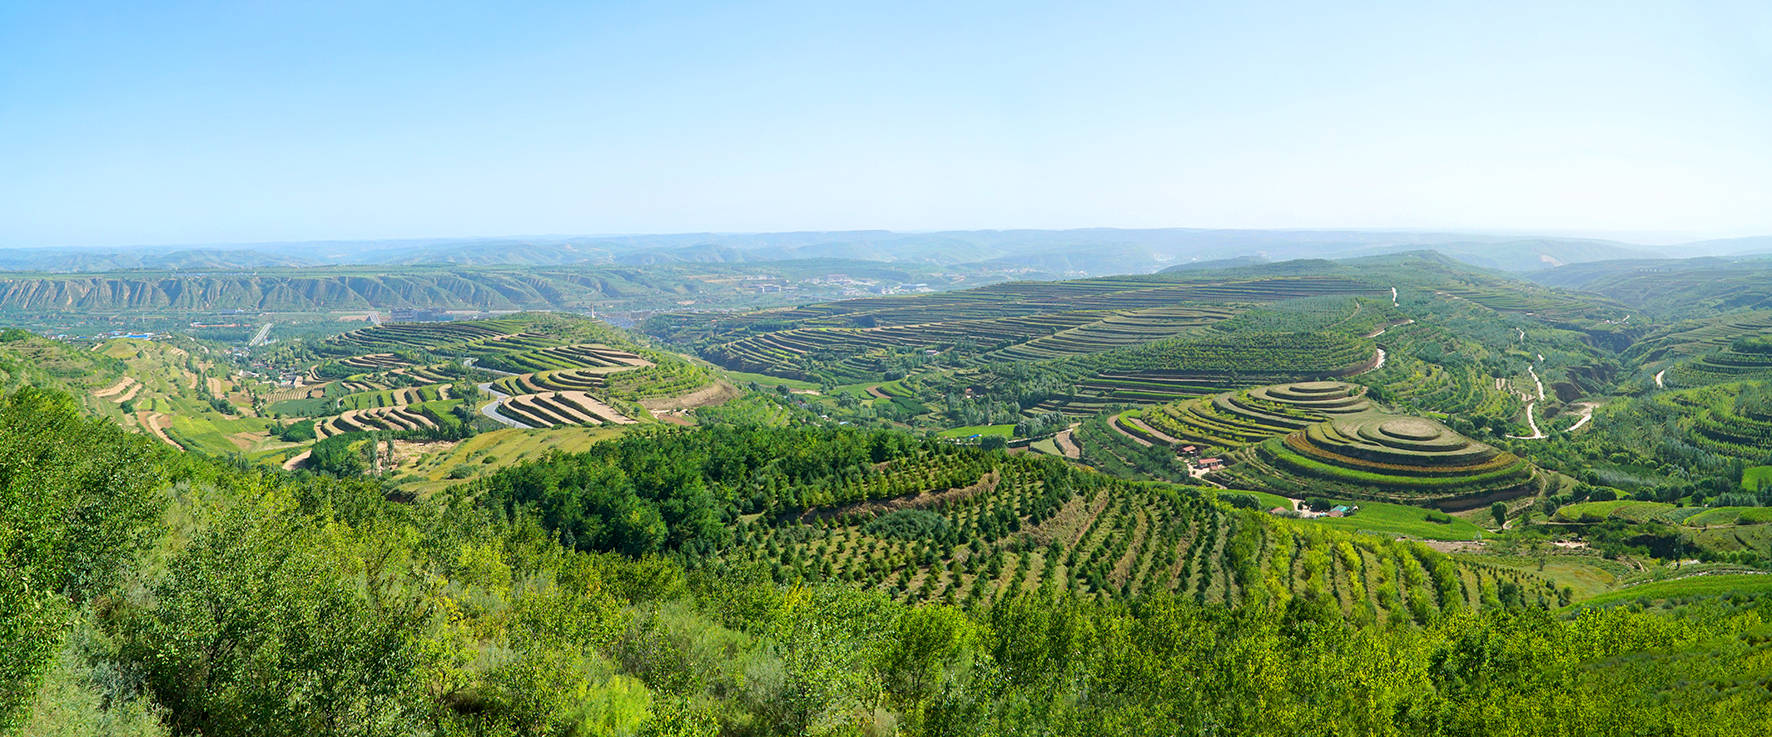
<point x="130" y="123"/>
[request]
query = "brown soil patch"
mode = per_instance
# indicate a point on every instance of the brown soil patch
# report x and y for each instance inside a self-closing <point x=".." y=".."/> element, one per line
<point x="406" y="451"/>
<point x="245" y="440"/>
<point x="296" y="460"/>
<point x="674" y="419"/>
<point x="1155" y="433"/>
<point x="130" y="394"/>
<point x="157" y="423"/>
<point x="121" y="386"/>
<point x="1456" y="546"/>
<point x="1067" y="446"/>
<point x="711" y="395"/>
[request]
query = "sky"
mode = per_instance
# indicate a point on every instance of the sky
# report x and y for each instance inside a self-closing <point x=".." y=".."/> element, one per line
<point x="246" y="121"/>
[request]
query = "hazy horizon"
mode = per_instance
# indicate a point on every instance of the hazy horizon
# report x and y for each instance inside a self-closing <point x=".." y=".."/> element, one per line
<point x="182" y="125"/>
<point x="1630" y="238"/>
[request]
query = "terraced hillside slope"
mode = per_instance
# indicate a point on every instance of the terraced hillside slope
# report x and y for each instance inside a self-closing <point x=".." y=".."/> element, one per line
<point x="1742" y="359"/>
<point x="860" y="339"/>
<point x="1372" y="455"/>
<point x="1235" y="419"/>
<point x="539" y="372"/>
<point x="1319" y="438"/>
<point x="1428" y="334"/>
<point x="1673" y="288"/>
<point x="374" y="400"/>
<point x="929" y="521"/>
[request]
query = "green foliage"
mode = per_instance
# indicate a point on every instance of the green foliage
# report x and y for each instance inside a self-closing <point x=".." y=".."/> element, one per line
<point x="337" y="456"/>
<point x="1240" y="501"/>
<point x="313" y="605"/>
<point x="299" y="431"/>
<point x="78" y="499"/>
<point x="672" y="489"/>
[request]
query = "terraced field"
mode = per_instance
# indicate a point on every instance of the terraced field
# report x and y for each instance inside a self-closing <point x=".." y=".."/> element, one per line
<point x="375" y="362"/>
<point x="1208" y="364"/>
<point x="1030" y="526"/>
<point x="394" y="418"/>
<point x="1392" y="458"/>
<point x="423" y="336"/>
<point x="1115" y="330"/>
<point x="1744" y="359"/>
<point x="1236" y="419"/>
<point x="560" y="408"/>
<point x="555" y="358"/>
<point x="1453" y="387"/>
<point x="1701" y="336"/>
<point x="552" y="379"/>
<point x="393" y="397"/>
<point x="860" y="339"/>
<point x="1732" y="420"/>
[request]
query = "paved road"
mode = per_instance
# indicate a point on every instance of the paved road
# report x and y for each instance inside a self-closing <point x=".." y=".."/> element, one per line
<point x="491" y="410"/>
<point x="259" y="337"/>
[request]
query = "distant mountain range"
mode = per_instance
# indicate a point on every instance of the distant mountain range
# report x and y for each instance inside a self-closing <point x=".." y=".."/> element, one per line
<point x="1037" y="253"/>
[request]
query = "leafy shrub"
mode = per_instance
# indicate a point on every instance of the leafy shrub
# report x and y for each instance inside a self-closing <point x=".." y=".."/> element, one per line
<point x="1240" y="501"/>
<point x="335" y="456"/>
<point x="297" y="432"/>
<point x="1438" y="517"/>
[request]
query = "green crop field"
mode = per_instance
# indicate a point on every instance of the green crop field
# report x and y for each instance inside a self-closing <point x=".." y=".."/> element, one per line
<point x="1688" y="587"/>
<point x="1757" y="477"/>
<point x="1393" y="520"/>
<point x="1621" y="509"/>
<point x="1730" y="516"/>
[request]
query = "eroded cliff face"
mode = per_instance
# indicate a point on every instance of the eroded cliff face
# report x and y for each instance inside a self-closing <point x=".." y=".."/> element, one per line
<point x="100" y="294"/>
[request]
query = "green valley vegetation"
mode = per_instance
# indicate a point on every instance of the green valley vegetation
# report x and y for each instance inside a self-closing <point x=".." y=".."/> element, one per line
<point x="161" y="593"/>
<point x="1274" y="498"/>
